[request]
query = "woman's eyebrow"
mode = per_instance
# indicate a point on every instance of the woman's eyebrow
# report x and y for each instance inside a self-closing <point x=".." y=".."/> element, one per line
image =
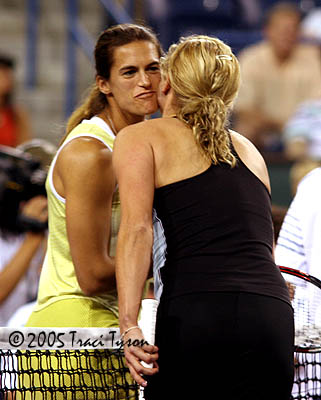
<point x="125" y="67"/>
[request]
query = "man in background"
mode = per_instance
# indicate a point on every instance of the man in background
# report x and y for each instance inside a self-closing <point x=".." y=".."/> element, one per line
<point x="298" y="244"/>
<point x="278" y="74"/>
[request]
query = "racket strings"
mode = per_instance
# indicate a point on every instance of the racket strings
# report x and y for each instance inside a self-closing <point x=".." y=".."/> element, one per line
<point x="306" y="301"/>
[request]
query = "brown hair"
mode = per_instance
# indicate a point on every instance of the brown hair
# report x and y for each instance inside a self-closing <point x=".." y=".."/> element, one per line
<point x="282" y="8"/>
<point x="205" y="77"/>
<point x="109" y="39"/>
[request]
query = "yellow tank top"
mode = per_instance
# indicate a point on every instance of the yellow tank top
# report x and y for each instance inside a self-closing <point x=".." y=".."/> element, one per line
<point x="58" y="278"/>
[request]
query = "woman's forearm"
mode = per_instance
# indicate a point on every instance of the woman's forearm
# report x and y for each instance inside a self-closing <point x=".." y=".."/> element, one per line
<point x="133" y="262"/>
<point x="19" y="264"/>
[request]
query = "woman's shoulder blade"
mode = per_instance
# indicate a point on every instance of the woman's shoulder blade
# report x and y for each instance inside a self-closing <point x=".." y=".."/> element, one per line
<point x="251" y="157"/>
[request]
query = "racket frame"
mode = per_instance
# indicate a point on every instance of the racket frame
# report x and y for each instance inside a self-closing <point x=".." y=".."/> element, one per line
<point x="315" y="281"/>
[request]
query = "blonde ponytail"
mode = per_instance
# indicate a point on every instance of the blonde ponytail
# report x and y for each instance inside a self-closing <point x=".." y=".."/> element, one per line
<point x="209" y="127"/>
<point x="204" y="75"/>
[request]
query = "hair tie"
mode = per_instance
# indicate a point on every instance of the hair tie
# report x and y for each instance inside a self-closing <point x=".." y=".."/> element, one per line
<point x="211" y="98"/>
<point x="208" y="98"/>
<point x="224" y="57"/>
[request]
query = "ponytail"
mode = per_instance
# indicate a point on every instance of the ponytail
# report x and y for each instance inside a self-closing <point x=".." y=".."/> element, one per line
<point x="205" y="76"/>
<point x="93" y="105"/>
<point x="207" y="117"/>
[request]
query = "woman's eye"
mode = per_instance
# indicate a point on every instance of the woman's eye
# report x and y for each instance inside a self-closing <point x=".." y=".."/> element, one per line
<point x="154" y="69"/>
<point x="129" y="72"/>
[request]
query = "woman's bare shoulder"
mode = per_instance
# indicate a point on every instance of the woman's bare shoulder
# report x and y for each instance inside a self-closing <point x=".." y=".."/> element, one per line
<point x="245" y="148"/>
<point x="84" y="147"/>
<point x="140" y="128"/>
<point x="251" y="157"/>
<point x="83" y="155"/>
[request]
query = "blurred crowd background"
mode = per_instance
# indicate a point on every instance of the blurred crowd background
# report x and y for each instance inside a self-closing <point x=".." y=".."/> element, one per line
<point x="46" y="65"/>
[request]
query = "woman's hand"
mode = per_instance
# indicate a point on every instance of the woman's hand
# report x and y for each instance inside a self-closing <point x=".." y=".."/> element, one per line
<point x="34" y="217"/>
<point x="36" y="208"/>
<point x="137" y="351"/>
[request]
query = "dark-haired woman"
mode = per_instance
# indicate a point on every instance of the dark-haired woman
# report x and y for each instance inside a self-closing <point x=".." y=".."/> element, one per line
<point x="77" y="284"/>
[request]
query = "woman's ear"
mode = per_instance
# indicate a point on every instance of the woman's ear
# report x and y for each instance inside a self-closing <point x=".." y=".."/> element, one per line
<point x="166" y="87"/>
<point x="103" y="85"/>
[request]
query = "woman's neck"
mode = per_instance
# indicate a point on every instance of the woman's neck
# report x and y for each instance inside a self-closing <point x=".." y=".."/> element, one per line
<point x="170" y="112"/>
<point x="118" y="120"/>
<point x="170" y="107"/>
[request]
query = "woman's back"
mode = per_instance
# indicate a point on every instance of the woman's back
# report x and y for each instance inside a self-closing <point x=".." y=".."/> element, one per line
<point x="217" y="218"/>
<point x="177" y="156"/>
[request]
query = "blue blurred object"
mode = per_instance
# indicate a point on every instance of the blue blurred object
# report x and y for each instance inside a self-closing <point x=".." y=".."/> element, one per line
<point x="235" y="21"/>
<point x="31" y="42"/>
<point x="238" y="22"/>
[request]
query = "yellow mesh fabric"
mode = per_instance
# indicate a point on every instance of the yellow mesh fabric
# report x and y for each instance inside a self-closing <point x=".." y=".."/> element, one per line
<point x="62" y="375"/>
<point x="58" y="280"/>
<point x="61" y="303"/>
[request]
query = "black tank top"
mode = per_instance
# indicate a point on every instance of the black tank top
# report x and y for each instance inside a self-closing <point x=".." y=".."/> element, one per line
<point x="218" y="229"/>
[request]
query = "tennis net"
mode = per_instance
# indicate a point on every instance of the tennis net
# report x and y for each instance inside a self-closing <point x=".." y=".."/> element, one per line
<point x="307" y="378"/>
<point x="89" y="364"/>
<point x="63" y="364"/>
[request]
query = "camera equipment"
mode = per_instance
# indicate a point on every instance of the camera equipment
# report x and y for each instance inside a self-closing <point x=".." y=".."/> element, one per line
<point x="21" y="178"/>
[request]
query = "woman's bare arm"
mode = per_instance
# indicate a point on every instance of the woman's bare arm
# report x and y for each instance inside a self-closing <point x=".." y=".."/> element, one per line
<point x="134" y="167"/>
<point x="84" y="167"/>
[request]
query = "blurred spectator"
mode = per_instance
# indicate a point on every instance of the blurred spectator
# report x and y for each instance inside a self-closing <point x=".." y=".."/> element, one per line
<point x="277" y="74"/>
<point x="14" y="121"/>
<point x="22" y="225"/>
<point x="298" y="244"/>
<point x="302" y="132"/>
<point x="311" y="26"/>
<point x="302" y="140"/>
<point x="21" y="315"/>
<point x="298" y="171"/>
<point x="21" y="256"/>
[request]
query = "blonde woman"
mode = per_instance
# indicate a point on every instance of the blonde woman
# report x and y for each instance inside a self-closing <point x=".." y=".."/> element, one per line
<point x="224" y="326"/>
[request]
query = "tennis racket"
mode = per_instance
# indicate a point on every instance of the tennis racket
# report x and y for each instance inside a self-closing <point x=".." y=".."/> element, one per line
<point x="305" y="294"/>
